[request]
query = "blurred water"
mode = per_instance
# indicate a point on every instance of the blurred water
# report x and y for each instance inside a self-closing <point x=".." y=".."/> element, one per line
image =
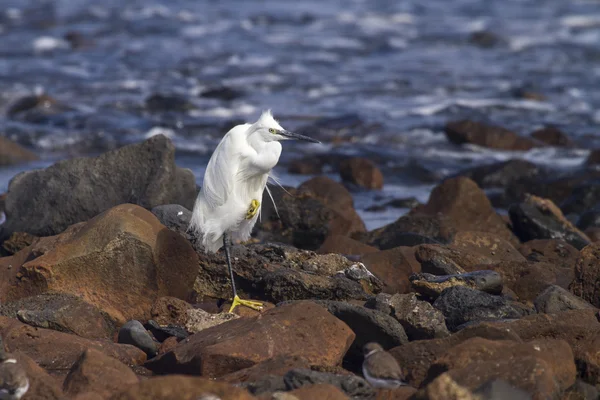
<point x="404" y="67"/>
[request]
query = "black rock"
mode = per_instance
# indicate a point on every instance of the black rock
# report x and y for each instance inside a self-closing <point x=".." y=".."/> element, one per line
<point x="589" y="219"/>
<point x="409" y="202"/>
<point x="432" y="285"/>
<point x="168" y="102"/>
<point x="498" y="389"/>
<point x="222" y="93"/>
<point x="410" y="230"/>
<point x="134" y="333"/>
<point x="143" y="174"/>
<point x="174" y="217"/>
<point x="555" y="299"/>
<point x="162" y="333"/>
<point x="530" y="222"/>
<point x="583" y="198"/>
<point x="502" y="174"/>
<point x="438" y="262"/>
<point x="353" y="386"/>
<point x="460" y="304"/>
<point x="485" y="39"/>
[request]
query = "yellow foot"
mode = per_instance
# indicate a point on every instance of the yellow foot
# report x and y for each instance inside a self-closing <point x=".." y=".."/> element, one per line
<point x="255" y="305"/>
<point x="254" y="206"/>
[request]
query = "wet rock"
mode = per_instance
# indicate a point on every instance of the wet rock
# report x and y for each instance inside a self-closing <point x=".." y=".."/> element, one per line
<point x="98" y="373"/>
<point x="182" y="387"/>
<point x="57" y="351"/>
<point x="168" y="102"/>
<point x="64" y="313"/>
<point x="485" y="39"/>
<point x="552" y="251"/>
<point x="409" y="202"/>
<point x="300" y="329"/>
<point x="432" y="286"/>
<point x="419" y="318"/>
<point x="368" y="325"/>
<point x="353" y="386"/>
<point x="306" y="166"/>
<point x="594" y="157"/>
<point x="120" y="262"/>
<point x="41" y="385"/>
<point x="174" y="217"/>
<point x="221" y="93"/>
<point x="416" y="357"/>
<point x="393" y="267"/>
<point x="322" y="391"/>
<point x="498" y="389"/>
<point x="170" y="310"/>
<point x="468" y="208"/>
<point x="556" y="299"/>
<point x="503" y="174"/>
<point x="11" y="153"/>
<point x="584" y="197"/>
<point x="362" y="172"/>
<point x="552" y="136"/>
<point x="538" y="218"/>
<point x="277" y="273"/>
<point x="460" y="304"/>
<point x="438" y="228"/>
<point x="27" y="103"/>
<point x="587" y="275"/>
<point x="78" y="40"/>
<point x="553" y="358"/>
<point x="38" y="109"/>
<point x="143" y="174"/>
<point x="590" y="219"/>
<point x="339" y="128"/>
<point x="528" y="94"/>
<point x="344" y="245"/>
<point x="198" y="320"/>
<point x="134" y="333"/>
<point x="495" y="137"/>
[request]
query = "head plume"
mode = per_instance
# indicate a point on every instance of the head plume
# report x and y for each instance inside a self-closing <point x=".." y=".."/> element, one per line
<point x="266" y="120"/>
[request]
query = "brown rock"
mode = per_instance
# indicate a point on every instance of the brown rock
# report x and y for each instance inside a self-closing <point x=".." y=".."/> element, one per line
<point x="362" y="172"/>
<point x="98" y="373"/>
<point x="323" y="391"/>
<point x="393" y="267"/>
<point x="17" y="241"/>
<point x="593" y="234"/>
<point x="401" y="393"/>
<point x="494" y="137"/>
<point x="277" y="366"/>
<point x="120" y="261"/>
<point x="57" y="351"/>
<point x="553" y="251"/>
<point x="467" y="206"/>
<point x="12" y="153"/>
<point x="41" y="385"/>
<point x="587" y="275"/>
<point x="556" y="356"/>
<point x="199" y="320"/>
<point x="305" y="166"/>
<point x="486" y="244"/>
<point x="299" y="329"/>
<point x="88" y="396"/>
<point x="344" y="245"/>
<point x="181" y="388"/>
<point x="169" y="344"/>
<point x="444" y="387"/>
<point x="552" y="136"/>
<point x="170" y="310"/>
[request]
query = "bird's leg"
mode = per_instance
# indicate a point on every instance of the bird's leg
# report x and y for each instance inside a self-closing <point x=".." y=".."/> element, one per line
<point x="253" y="209"/>
<point x="236" y="300"/>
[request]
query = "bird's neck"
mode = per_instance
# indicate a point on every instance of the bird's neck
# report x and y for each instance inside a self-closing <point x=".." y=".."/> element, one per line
<point x="256" y="141"/>
<point x="371" y="353"/>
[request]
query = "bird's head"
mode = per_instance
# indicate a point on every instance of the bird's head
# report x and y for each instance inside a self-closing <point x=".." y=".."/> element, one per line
<point x="371" y="347"/>
<point x="269" y="129"/>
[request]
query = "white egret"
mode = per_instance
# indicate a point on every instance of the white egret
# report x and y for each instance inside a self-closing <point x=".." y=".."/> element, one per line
<point x="228" y="204"/>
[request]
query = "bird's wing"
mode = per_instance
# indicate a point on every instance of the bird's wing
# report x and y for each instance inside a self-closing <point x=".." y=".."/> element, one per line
<point x="384" y="366"/>
<point x="221" y="171"/>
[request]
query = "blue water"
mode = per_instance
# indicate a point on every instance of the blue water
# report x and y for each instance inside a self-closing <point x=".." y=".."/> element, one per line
<point x="402" y="68"/>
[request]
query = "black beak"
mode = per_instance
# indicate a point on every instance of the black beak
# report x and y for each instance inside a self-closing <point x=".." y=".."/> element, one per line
<point x="297" y="136"/>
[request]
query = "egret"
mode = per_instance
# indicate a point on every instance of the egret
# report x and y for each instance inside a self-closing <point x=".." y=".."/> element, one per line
<point x="228" y="204"/>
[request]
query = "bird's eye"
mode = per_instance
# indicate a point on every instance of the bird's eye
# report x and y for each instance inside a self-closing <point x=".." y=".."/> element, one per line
<point x="273" y="131"/>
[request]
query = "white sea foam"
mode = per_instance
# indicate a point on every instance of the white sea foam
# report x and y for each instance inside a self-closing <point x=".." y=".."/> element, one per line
<point x="158" y="130"/>
<point x="48" y="43"/>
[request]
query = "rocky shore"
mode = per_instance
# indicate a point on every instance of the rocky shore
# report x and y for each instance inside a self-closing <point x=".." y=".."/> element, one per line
<point x="105" y="295"/>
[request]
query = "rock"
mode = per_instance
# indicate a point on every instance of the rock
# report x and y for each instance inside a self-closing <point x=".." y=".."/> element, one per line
<point x="409" y="202"/>
<point x="344" y="245"/>
<point x="120" y="262"/>
<point x="368" y="325"/>
<point x="587" y="275"/>
<point x="277" y="273"/>
<point x="440" y="260"/>
<point x="504" y="173"/>
<point x="143" y="174"/>
<point x="362" y="172"/>
<point x="162" y="333"/>
<point x="306" y="166"/>
<point x="552" y="251"/>
<point x="300" y="329"/>
<point x="497" y="389"/>
<point x="538" y="218"/>
<point x="552" y="136"/>
<point x="393" y="267"/>
<point x="432" y="286"/>
<point x="98" y="373"/>
<point x="174" y="217"/>
<point x="198" y="320"/>
<point x="419" y="318"/>
<point x="183" y="388"/>
<point x="581" y="391"/>
<point x="528" y="94"/>
<point x="134" y="333"/>
<point x="488" y="245"/>
<point x="168" y="102"/>
<point x="276" y="366"/>
<point x="485" y="39"/>
<point x="416" y="357"/>
<point x="170" y="310"/>
<point x="11" y="153"/>
<point x="221" y="93"/>
<point x="353" y="386"/>
<point x="39" y="109"/>
<point x="556" y="299"/>
<point x="590" y="219"/>
<point x="57" y="351"/>
<point x="27" y="103"/>
<point x="437" y="228"/>
<point x="468" y="208"/>
<point x="60" y="312"/>
<point x="480" y="134"/>
<point x="444" y="387"/>
<point x="322" y="391"/>
<point x="553" y="357"/>
<point x="460" y="304"/>
<point x="584" y="198"/>
<point x="17" y="241"/>
<point x="41" y="385"/>
<point x="401" y="393"/>
<point x="594" y="157"/>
